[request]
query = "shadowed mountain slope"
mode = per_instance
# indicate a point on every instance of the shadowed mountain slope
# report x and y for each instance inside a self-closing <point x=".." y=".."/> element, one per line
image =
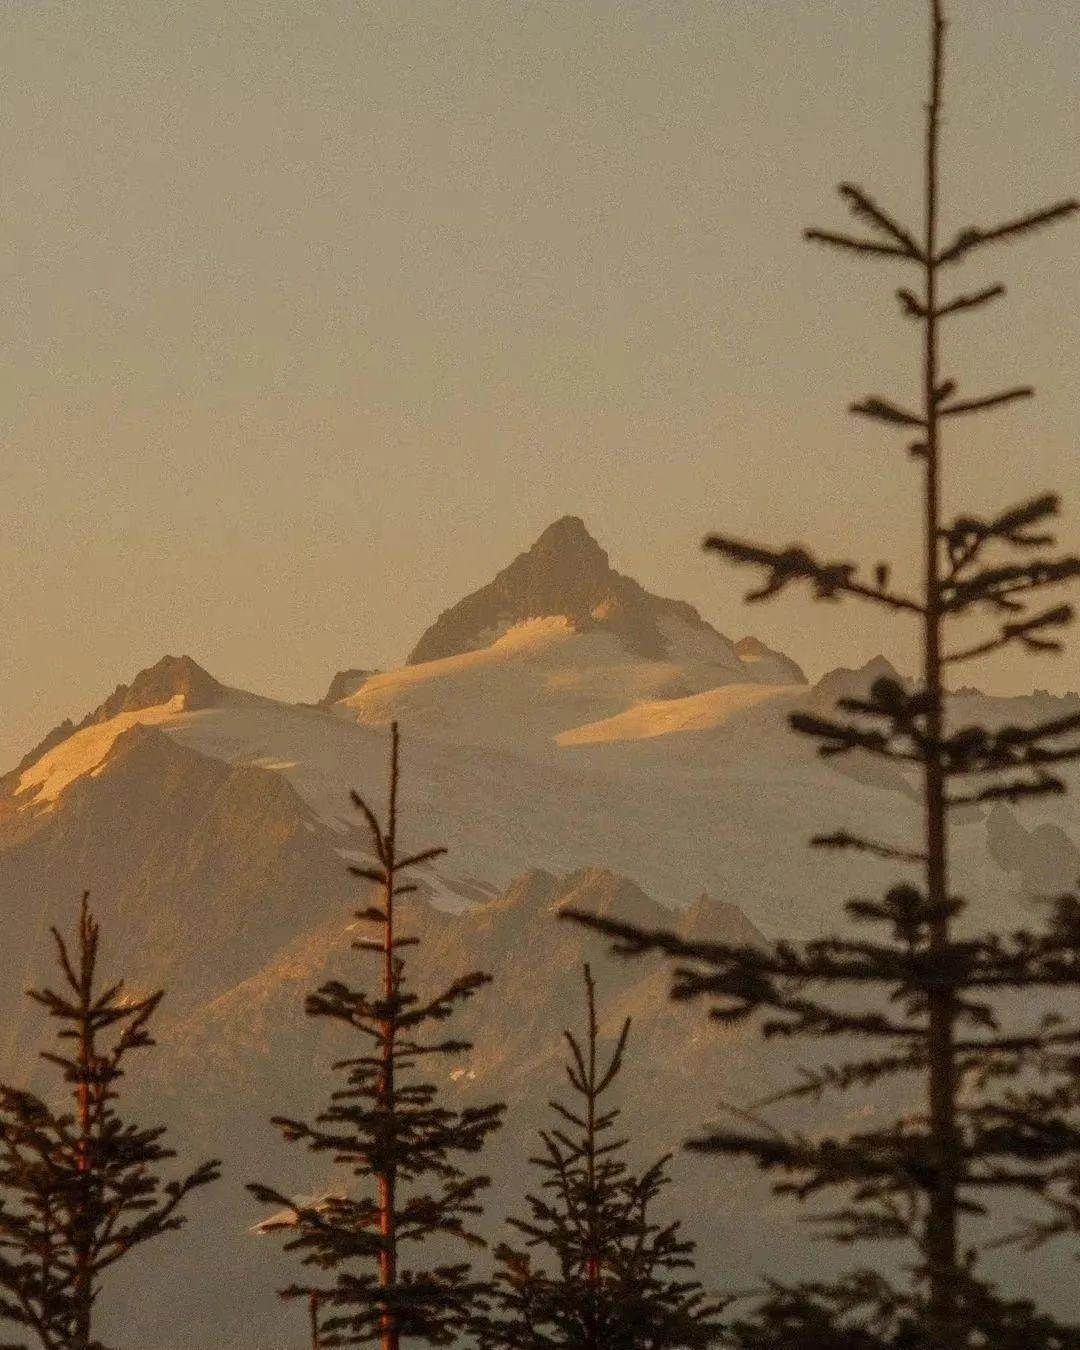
<point x="200" y="869"/>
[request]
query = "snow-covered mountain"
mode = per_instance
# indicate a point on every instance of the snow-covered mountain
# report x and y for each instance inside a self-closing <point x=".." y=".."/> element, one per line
<point x="567" y="574"/>
<point x="566" y="719"/>
<point x="567" y="734"/>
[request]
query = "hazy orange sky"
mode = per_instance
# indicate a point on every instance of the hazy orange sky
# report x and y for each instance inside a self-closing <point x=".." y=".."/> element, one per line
<point x="316" y="313"/>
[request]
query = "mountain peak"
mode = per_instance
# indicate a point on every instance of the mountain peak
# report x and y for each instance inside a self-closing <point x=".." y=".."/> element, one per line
<point x="845" y="682"/>
<point x="754" y="653"/>
<point x="569" y="534"/>
<point x="160" y="682"/>
<point x="152" y="687"/>
<point x="564" y="574"/>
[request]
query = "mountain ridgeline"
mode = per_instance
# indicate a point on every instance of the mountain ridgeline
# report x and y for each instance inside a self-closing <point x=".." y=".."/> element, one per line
<point x="575" y="741"/>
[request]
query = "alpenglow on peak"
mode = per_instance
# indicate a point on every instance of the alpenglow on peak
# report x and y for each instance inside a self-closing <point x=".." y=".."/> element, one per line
<point x="565" y="574"/>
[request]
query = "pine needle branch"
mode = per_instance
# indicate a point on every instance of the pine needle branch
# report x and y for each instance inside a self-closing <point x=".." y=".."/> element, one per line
<point x="989" y="401"/>
<point x="881" y="410"/>
<point x="968" y="302"/>
<point x="848" y="242"/>
<point x="827" y="579"/>
<point x="864" y="206"/>
<point x="975" y="237"/>
<point x="843" y="840"/>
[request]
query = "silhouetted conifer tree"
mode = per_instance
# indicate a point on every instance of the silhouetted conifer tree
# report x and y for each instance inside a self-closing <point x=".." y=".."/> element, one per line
<point x="930" y="996"/>
<point x="78" y="1190"/>
<point x="401" y="1145"/>
<point x="609" y="1277"/>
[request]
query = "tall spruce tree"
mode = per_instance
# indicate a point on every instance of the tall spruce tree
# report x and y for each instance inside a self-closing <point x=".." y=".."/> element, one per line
<point x="389" y="1129"/>
<point x="78" y="1189"/>
<point x="597" y="1271"/>
<point x="930" y="994"/>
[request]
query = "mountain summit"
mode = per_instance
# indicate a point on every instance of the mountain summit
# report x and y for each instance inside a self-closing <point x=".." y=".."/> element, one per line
<point x="566" y="573"/>
<point x="171" y="677"/>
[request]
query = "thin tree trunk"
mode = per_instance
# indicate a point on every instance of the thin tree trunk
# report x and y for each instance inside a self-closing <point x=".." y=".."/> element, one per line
<point x="940" y="1234"/>
<point x="592" y="1257"/>
<point x="313" y="1315"/>
<point x="387" y="1187"/>
<point x="83" y="1253"/>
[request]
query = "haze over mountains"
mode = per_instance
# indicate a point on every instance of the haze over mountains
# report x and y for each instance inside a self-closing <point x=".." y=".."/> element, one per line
<point x="569" y="736"/>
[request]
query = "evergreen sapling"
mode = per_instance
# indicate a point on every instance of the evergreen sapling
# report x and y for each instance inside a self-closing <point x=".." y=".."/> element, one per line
<point x="405" y="1150"/>
<point x="78" y="1189"/>
<point x="597" y="1271"/>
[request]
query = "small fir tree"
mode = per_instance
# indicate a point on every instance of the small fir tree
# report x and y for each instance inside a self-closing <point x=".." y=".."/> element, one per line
<point x="78" y="1189"/>
<point x="400" y="1143"/>
<point x="926" y="992"/>
<point x="610" y="1277"/>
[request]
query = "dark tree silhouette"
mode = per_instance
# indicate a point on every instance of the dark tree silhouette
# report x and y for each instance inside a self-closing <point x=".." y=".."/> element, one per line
<point x="929" y="996"/>
<point x="313" y="1319"/>
<point x="862" y="1312"/>
<point x="78" y="1190"/>
<point x="399" y="1143"/>
<point x="610" y="1277"/>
